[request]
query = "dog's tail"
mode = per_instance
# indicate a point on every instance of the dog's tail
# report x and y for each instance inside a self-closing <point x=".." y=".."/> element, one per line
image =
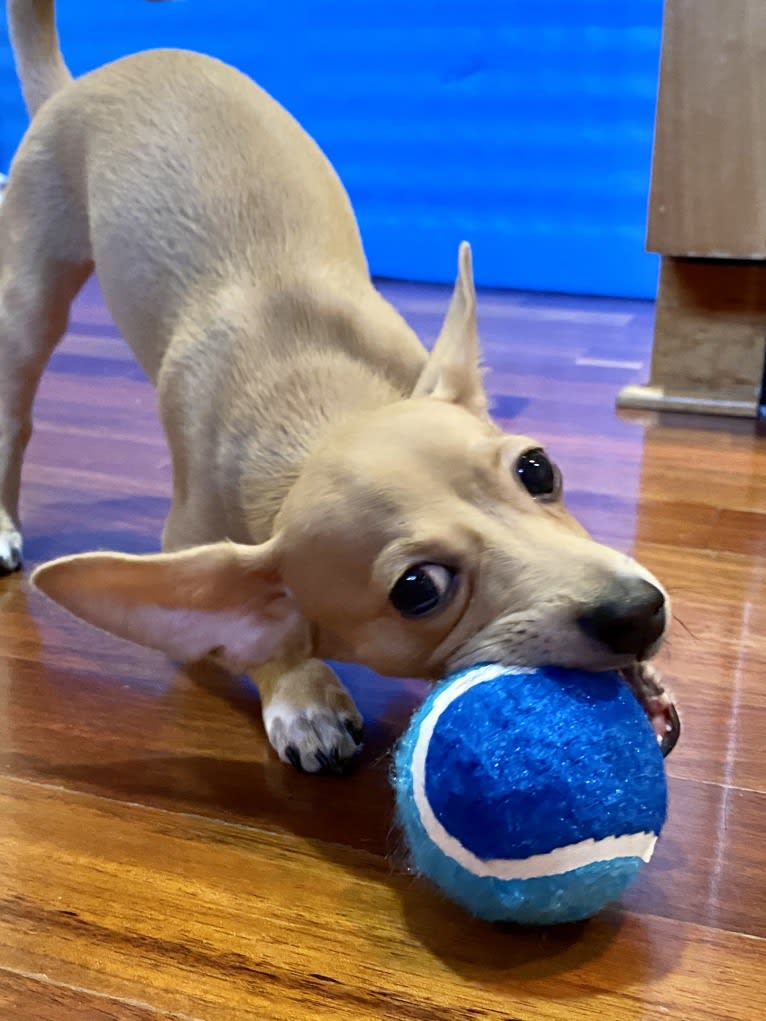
<point x="35" y="40"/>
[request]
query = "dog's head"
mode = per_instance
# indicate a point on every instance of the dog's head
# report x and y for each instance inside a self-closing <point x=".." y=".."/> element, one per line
<point x="418" y="538"/>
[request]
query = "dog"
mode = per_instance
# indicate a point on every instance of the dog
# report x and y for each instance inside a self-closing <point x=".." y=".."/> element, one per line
<point x="338" y="492"/>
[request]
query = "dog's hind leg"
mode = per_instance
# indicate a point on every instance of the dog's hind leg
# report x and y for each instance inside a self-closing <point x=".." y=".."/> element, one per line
<point x="44" y="261"/>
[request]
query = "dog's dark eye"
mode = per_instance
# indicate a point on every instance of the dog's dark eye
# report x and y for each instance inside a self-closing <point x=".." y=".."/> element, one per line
<point x="538" y="476"/>
<point x="422" y="589"/>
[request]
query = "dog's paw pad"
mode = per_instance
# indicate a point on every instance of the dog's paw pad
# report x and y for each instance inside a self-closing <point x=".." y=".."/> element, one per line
<point x="315" y="739"/>
<point x="10" y="551"/>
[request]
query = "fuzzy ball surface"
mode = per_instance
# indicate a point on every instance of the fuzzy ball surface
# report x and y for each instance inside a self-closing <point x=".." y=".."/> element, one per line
<point x="530" y="796"/>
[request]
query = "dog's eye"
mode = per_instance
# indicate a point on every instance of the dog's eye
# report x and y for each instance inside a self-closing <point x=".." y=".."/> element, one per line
<point x="422" y="589"/>
<point x="538" y="475"/>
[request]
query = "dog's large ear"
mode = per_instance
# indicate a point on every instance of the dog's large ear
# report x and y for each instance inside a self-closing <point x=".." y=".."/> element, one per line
<point x="224" y="600"/>
<point x="452" y="372"/>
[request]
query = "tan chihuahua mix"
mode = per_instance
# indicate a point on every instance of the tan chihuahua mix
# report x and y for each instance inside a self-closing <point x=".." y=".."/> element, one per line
<point x="338" y="493"/>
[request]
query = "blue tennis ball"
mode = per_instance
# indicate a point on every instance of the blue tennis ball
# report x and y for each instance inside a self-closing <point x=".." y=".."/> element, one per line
<point x="530" y="796"/>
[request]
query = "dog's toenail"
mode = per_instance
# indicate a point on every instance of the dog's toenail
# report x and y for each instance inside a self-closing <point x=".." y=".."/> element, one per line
<point x="294" y="757"/>
<point x="332" y="762"/>
<point x="356" y="733"/>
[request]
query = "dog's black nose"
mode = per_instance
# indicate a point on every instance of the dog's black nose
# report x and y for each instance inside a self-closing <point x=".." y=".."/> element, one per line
<point x="629" y="620"/>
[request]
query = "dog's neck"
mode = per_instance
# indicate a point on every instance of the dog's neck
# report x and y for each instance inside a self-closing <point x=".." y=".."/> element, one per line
<point x="333" y="356"/>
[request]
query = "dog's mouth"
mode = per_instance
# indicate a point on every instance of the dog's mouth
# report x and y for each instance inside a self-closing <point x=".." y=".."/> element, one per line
<point x="664" y="718"/>
<point x="657" y="703"/>
<point x="643" y="679"/>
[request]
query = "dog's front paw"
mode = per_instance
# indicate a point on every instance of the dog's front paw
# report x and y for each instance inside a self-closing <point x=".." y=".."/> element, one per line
<point x="10" y="550"/>
<point x="315" y="738"/>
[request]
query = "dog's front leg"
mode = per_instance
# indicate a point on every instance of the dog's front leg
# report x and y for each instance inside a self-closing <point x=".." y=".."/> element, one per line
<point x="310" y="718"/>
<point x="44" y="260"/>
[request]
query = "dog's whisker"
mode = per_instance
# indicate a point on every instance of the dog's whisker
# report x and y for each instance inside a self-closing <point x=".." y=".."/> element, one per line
<point x="687" y="629"/>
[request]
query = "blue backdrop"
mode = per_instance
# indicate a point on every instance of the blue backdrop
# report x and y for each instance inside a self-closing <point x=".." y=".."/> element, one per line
<point x="522" y="125"/>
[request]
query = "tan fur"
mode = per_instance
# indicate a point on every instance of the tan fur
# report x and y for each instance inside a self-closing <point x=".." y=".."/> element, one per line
<point x="306" y="423"/>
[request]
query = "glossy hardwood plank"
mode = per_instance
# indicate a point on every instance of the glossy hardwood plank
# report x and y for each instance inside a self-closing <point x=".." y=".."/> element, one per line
<point x="715" y="662"/>
<point x="228" y="923"/>
<point x="36" y="998"/>
<point x="197" y="745"/>
<point x="708" y="869"/>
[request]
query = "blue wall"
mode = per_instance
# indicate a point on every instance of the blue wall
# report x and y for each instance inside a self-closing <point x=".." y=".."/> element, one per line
<point x="523" y="125"/>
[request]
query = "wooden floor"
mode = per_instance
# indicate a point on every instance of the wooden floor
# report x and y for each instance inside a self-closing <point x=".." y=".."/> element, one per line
<point x="156" y="861"/>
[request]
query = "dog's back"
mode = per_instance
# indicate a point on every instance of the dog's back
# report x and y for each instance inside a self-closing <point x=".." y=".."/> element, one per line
<point x="227" y="251"/>
<point x="188" y="174"/>
<point x="195" y="180"/>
